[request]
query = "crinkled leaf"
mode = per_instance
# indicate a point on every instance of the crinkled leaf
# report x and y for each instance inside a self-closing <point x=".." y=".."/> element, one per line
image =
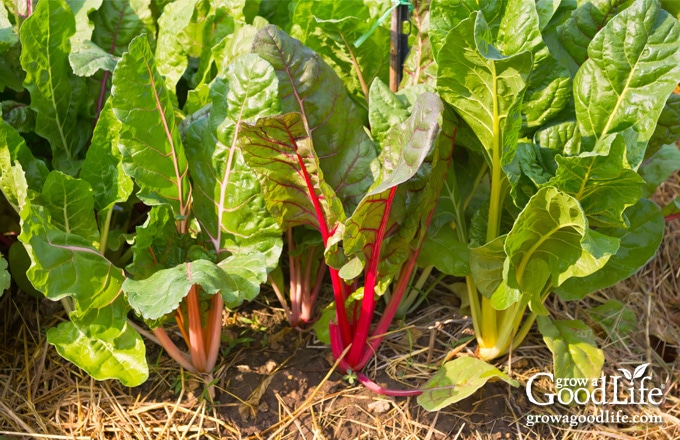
<point x="549" y="90"/>
<point x="484" y="87"/>
<point x="244" y="274"/>
<point x="617" y="320"/>
<point x="278" y="148"/>
<point x="572" y="344"/>
<point x="576" y="33"/>
<point x="102" y="343"/>
<point x="86" y="57"/>
<point x="633" y="65"/>
<point x="238" y="43"/>
<point x="659" y="167"/>
<point x="457" y="380"/>
<point x="446" y="15"/>
<point x="103" y="168"/>
<point x="66" y="264"/>
<point x="162" y="292"/>
<point x="667" y="128"/>
<point x="227" y="200"/>
<point x="531" y="166"/>
<point x="388" y="109"/>
<point x="331" y="28"/>
<point x="158" y="245"/>
<point x="56" y="94"/>
<point x="153" y="154"/>
<point x="90" y="58"/>
<point x="310" y="86"/>
<point x="71" y="205"/>
<point x="445" y="252"/>
<point x="419" y="65"/>
<point x="117" y="22"/>
<point x="19" y="170"/>
<point x="486" y="265"/>
<point x="18" y="115"/>
<point x="546" y="240"/>
<point x="209" y="24"/>
<point x="563" y="137"/>
<point x="639" y="243"/>
<point x="84" y="27"/>
<point x="170" y="53"/>
<point x="600" y="181"/>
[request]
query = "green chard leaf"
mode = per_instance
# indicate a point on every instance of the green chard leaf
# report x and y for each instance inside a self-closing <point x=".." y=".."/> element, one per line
<point x="457" y="380"/>
<point x="117" y="22"/>
<point x="153" y="153"/>
<point x="60" y="233"/>
<point x="101" y="342"/>
<point x="638" y="244"/>
<point x="419" y="65"/>
<point x="57" y="95"/>
<point x="157" y="245"/>
<point x="547" y="239"/>
<point x="18" y="115"/>
<point x="5" y="278"/>
<point x="448" y="14"/>
<point x="209" y="24"/>
<point x="572" y="343"/>
<point x="86" y="58"/>
<point x="244" y="274"/>
<point x="444" y="250"/>
<point x="667" y="128"/>
<point x="576" y="33"/>
<point x="486" y="87"/>
<point x="227" y="200"/>
<point x="617" y="320"/>
<point x="238" y="43"/>
<point x="659" y="167"/>
<point x="236" y="278"/>
<point x="331" y="28"/>
<point x="633" y="65"/>
<point x="600" y="181"/>
<point x="103" y="165"/>
<point x="562" y="137"/>
<point x="329" y="118"/>
<point x="672" y="208"/>
<point x="170" y="53"/>
<point x="19" y="169"/>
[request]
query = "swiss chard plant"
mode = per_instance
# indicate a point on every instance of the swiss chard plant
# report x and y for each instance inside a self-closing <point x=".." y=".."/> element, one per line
<point x="145" y="212"/>
<point x="331" y="29"/>
<point x="370" y="200"/>
<point x="563" y="100"/>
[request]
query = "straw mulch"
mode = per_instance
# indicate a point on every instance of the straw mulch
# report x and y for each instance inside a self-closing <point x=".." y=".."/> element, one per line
<point x="43" y="396"/>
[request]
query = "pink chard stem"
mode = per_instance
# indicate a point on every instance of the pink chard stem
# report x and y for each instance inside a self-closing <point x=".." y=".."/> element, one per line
<point x="368" y="300"/>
